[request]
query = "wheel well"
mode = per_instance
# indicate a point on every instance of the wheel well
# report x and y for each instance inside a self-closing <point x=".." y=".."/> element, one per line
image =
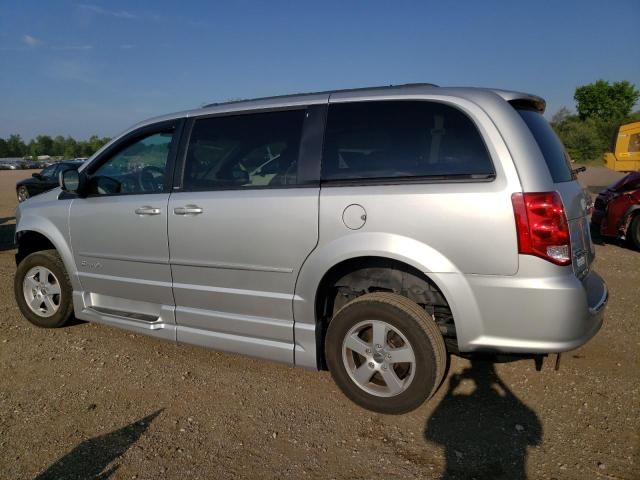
<point x="358" y="276"/>
<point x="30" y="242"/>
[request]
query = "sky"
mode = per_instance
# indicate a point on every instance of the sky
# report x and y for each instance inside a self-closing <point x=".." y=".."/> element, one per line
<point x="94" y="67"/>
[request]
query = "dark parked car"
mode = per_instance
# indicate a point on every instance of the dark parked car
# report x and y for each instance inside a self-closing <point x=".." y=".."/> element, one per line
<point x="43" y="181"/>
<point x="616" y="211"/>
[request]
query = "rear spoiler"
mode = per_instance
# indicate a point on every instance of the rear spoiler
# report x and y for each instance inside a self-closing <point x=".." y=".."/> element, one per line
<point x="523" y="100"/>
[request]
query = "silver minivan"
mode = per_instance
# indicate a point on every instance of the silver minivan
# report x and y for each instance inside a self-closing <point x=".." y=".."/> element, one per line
<point x="369" y="231"/>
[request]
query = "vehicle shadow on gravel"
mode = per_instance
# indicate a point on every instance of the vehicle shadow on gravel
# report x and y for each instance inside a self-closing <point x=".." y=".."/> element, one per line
<point x="484" y="428"/>
<point x="7" y="231"/>
<point x="89" y="459"/>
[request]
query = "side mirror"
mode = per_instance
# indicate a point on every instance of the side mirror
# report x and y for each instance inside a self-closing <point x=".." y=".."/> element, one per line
<point x="36" y="175"/>
<point x="72" y="181"/>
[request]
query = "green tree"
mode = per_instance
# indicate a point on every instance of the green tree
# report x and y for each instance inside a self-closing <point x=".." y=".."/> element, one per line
<point x="57" y="149"/>
<point x="604" y="101"/>
<point x="583" y="139"/>
<point x="561" y="116"/>
<point x="32" y="149"/>
<point x="85" y="149"/>
<point x="16" y="147"/>
<point x="70" y="148"/>
<point x="59" y="146"/>
<point x="44" y="145"/>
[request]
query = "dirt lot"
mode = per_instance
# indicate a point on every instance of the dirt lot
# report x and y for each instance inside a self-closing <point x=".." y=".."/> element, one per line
<point x="88" y="401"/>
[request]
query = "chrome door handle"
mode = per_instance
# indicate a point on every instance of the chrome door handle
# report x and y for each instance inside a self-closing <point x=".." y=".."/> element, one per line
<point x="147" y="210"/>
<point x="188" y="210"/>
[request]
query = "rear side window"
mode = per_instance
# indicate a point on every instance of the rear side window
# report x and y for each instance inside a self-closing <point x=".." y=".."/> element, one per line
<point x="550" y="145"/>
<point x="400" y="139"/>
<point x="244" y="151"/>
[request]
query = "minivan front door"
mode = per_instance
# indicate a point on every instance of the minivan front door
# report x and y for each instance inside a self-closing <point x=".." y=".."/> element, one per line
<point x="119" y="235"/>
<point x="239" y="231"/>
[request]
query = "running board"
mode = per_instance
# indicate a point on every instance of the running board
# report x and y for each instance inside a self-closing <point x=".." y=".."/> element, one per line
<point x="140" y="317"/>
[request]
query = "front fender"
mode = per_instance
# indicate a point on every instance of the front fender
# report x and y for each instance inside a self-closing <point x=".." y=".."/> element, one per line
<point x="50" y="221"/>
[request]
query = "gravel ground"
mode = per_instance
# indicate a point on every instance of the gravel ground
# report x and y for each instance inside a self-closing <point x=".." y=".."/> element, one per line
<point x="88" y="401"/>
<point x="596" y="178"/>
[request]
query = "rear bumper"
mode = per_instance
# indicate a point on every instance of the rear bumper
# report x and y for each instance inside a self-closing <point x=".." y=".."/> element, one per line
<point x="535" y="315"/>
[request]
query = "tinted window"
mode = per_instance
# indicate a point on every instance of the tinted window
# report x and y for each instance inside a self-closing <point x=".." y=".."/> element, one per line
<point x="550" y="145"/>
<point x="240" y="151"/>
<point x="401" y="139"/>
<point x="49" y="172"/>
<point x="140" y="167"/>
<point x="634" y="142"/>
<point x="70" y="166"/>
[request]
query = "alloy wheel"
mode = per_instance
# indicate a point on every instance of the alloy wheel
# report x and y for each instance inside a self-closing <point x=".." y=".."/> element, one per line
<point x="42" y="291"/>
<point x="378" y="358"/>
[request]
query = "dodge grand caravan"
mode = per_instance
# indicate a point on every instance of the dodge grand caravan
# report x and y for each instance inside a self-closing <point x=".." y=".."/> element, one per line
<point x="369" y="231"/>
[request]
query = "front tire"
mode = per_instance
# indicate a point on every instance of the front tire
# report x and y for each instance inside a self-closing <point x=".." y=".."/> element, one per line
<point x="43" y="290"/>
<point x="385" y="353"/>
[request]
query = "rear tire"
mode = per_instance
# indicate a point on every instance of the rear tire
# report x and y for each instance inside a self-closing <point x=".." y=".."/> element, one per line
<point x="385" y="352"/>
<point x="43" y="290"/>
<point x="633" y="233"/>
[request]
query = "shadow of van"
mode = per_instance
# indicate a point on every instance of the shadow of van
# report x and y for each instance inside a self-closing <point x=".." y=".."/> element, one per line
<point x="484" y="428"/>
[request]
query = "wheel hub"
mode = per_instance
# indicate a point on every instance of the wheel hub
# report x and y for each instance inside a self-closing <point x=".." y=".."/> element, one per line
<point x="378" y="358"/>
<point x="42" y="292"/>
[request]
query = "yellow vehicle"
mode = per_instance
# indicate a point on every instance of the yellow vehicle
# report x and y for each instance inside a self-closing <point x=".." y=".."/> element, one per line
<point x="626" y="151"/>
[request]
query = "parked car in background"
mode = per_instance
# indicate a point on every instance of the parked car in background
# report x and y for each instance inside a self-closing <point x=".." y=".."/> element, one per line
<point x="44" y="180"/>
<point x="616" y="210"/>
<point x="8" y="166"/>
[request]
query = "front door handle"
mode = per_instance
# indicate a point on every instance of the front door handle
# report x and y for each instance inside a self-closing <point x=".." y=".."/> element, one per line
<point x="147" y="210"/>
<point x="188" y="210"/>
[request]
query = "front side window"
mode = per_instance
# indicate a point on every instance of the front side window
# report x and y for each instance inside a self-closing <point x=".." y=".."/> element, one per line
<point x="139" y="167"/>
<point x="397" y="139"/>
<point x="49" y="172"/>
<point x="244" y="151"/>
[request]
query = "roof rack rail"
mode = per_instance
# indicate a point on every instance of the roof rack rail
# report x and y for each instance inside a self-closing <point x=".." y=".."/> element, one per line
<point x="231" y="102"/>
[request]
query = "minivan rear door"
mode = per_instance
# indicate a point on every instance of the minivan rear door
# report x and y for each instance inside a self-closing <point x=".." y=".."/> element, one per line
<point x="572" y="194"/>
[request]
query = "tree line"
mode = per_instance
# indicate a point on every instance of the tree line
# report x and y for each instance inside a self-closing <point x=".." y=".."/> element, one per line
<point x="601" y="107"/>
<point x="66" y="147"/>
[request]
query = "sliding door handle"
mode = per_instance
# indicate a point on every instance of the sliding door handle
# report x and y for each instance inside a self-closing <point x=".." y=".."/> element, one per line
<point x="147" y="210"/>
<point x="188" y="210"/>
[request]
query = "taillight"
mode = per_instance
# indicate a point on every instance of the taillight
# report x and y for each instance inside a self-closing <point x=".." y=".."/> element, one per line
<point x="542" y="226"/>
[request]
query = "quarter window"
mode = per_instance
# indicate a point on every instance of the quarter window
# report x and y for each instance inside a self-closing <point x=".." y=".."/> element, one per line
<point x="244" y="151"/>
<point x="140" y="167"/>
<point x="554" y="153"/>
<point x="395" y="139"/>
